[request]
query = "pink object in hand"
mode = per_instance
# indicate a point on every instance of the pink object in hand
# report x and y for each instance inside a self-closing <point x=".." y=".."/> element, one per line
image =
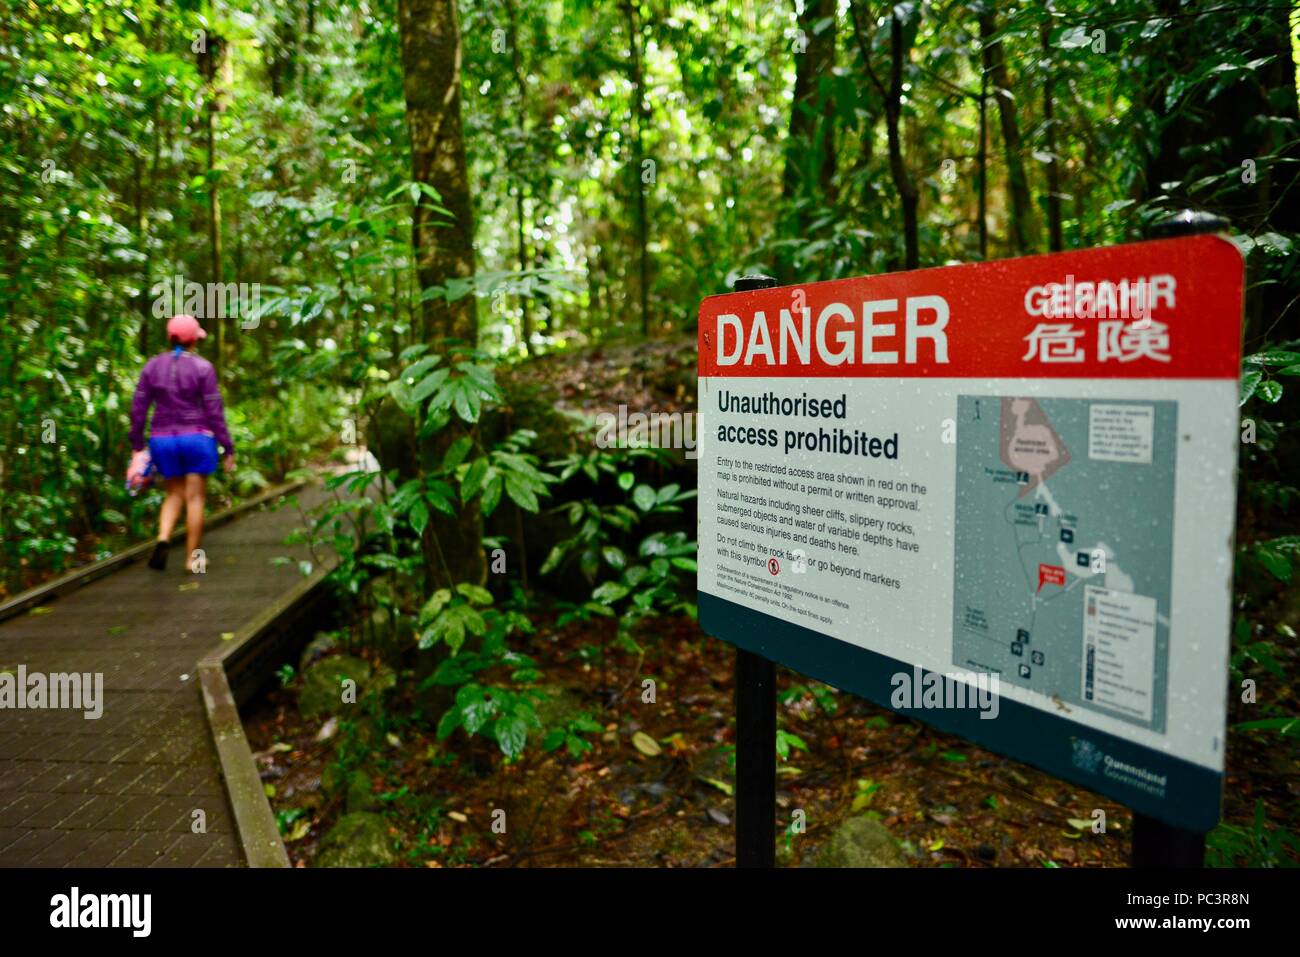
<point x="140" y="472"/>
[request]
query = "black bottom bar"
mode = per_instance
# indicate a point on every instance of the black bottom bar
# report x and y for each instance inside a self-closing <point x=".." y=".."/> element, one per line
<point x="1157" y="844"/>
<point x="755" y="760"/>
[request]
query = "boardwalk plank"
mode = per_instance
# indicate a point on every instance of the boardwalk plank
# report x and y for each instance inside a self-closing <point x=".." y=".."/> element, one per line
<point x="120" y="791"/>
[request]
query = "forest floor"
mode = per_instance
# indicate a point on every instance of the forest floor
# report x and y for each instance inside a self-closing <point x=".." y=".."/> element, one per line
<point x="658" y="375"/>
<point x="946" y="802"/>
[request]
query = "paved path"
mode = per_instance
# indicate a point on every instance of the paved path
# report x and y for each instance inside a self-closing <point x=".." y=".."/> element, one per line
<point x="122" y="790"/>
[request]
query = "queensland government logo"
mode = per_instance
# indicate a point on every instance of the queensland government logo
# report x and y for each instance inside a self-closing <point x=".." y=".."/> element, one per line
<point x="1086" y="755"/>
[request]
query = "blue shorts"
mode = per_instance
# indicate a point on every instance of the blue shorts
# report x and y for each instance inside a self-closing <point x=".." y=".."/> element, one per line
<point x="176" y="456"/>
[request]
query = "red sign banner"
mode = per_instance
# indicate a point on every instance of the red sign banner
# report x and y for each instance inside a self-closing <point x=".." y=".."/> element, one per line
<point x="1145" y="310"/>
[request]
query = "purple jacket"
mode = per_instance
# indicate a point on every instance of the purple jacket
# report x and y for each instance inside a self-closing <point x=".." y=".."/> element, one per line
<point x="184" y="393"/>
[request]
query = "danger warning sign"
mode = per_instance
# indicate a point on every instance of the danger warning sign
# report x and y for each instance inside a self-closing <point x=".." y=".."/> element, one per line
<point x="1012" y="482"/>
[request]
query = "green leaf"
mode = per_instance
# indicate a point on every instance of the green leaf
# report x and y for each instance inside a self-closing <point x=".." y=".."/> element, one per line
<point x="553" y="559"/>
<point x="467" y="400"/>
<point x="785" y="741"/>
<point x="1249" y="383"/>
<point x="1287" y="727"/>
<point x="450" y="721"/>
<point x="722" y="786"/>
<point x="473" y="480"/>
<point x="1276" y="563"/>
<point x="644" y="498"/>
<point x="405" y="496"/>
<point x="437" y="601"/>
<point x="521" y="493"/>
<point x="609" y="592"/>
<point x="419" y="517"/>
<point x="428" y="385"/>
<point x="1272" y="357"/>
<point x="440" y="496"/>
<point x="492" y="495"/>
<point x="1274" y="243"/>
<point x="475" y="593"/>
<point x="476" y="706"/>
<point x="418" y="369"/>
<point x="457" y="452"/>
<point x="512" y="734"/>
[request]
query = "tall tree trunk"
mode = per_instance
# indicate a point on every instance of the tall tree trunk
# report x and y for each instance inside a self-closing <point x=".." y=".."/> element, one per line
<point x="525" y="299"/>
<point x="984" y="166"/>
<point x="1054" y="240"/>
<point x="809" y="176"/>
<point x="891" y="95"/>
<point x="141" y="228"/>
<point x="995" y="64"/>
<point x="812" y="124"/>
<point x="281" y="51"/>
<point x="907" y="191"/>
<point x="211" y="65"/>
<point x="516" y="175"/>
<point x="214" y="232"/>
<point x="640" y="111"/>
<point x="431" y="68"/>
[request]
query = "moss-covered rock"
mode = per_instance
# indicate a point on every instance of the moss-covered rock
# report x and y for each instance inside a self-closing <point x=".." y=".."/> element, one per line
<point x="323" y="685"/>
<point x="357" y="840"/>
<point x="360" y="796"/>
<point x="559" y="705"/>
<point x="322" y="644"/>
<point x="861" y="842"/>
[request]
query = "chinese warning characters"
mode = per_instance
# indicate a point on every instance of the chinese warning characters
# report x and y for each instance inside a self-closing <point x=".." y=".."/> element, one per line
<point x="1124" y="314"/>
<point x="1116" y="340"/>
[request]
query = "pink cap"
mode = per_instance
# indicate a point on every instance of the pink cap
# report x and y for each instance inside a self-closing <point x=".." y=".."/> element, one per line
<point x="185" y="328"/>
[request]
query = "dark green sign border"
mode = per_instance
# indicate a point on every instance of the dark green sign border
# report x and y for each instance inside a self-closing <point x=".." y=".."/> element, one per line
<point x="1191" y="794"/>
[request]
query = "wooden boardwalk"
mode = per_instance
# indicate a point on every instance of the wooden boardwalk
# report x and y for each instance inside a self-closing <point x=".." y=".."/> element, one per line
<point x="123" y="790"/>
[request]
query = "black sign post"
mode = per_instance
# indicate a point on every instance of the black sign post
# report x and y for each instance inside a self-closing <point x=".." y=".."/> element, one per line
<point x="755" y="730"/>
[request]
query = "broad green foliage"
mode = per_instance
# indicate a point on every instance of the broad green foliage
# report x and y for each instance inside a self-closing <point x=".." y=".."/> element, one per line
<point x="463" y="625"/>
<point x="653" y="577"/>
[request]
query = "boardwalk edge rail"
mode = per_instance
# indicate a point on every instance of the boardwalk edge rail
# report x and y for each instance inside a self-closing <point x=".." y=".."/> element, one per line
<point x="255" y="823"/>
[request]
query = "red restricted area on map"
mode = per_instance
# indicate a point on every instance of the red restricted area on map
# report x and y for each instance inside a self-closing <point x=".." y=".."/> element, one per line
<point x="1018" y="472"/>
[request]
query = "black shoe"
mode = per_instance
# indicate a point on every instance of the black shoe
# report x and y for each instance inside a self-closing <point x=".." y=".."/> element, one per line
<point x="158" y="560"/>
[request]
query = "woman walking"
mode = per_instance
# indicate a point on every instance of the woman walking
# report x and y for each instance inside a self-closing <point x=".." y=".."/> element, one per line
<point x="188" y="423"/>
